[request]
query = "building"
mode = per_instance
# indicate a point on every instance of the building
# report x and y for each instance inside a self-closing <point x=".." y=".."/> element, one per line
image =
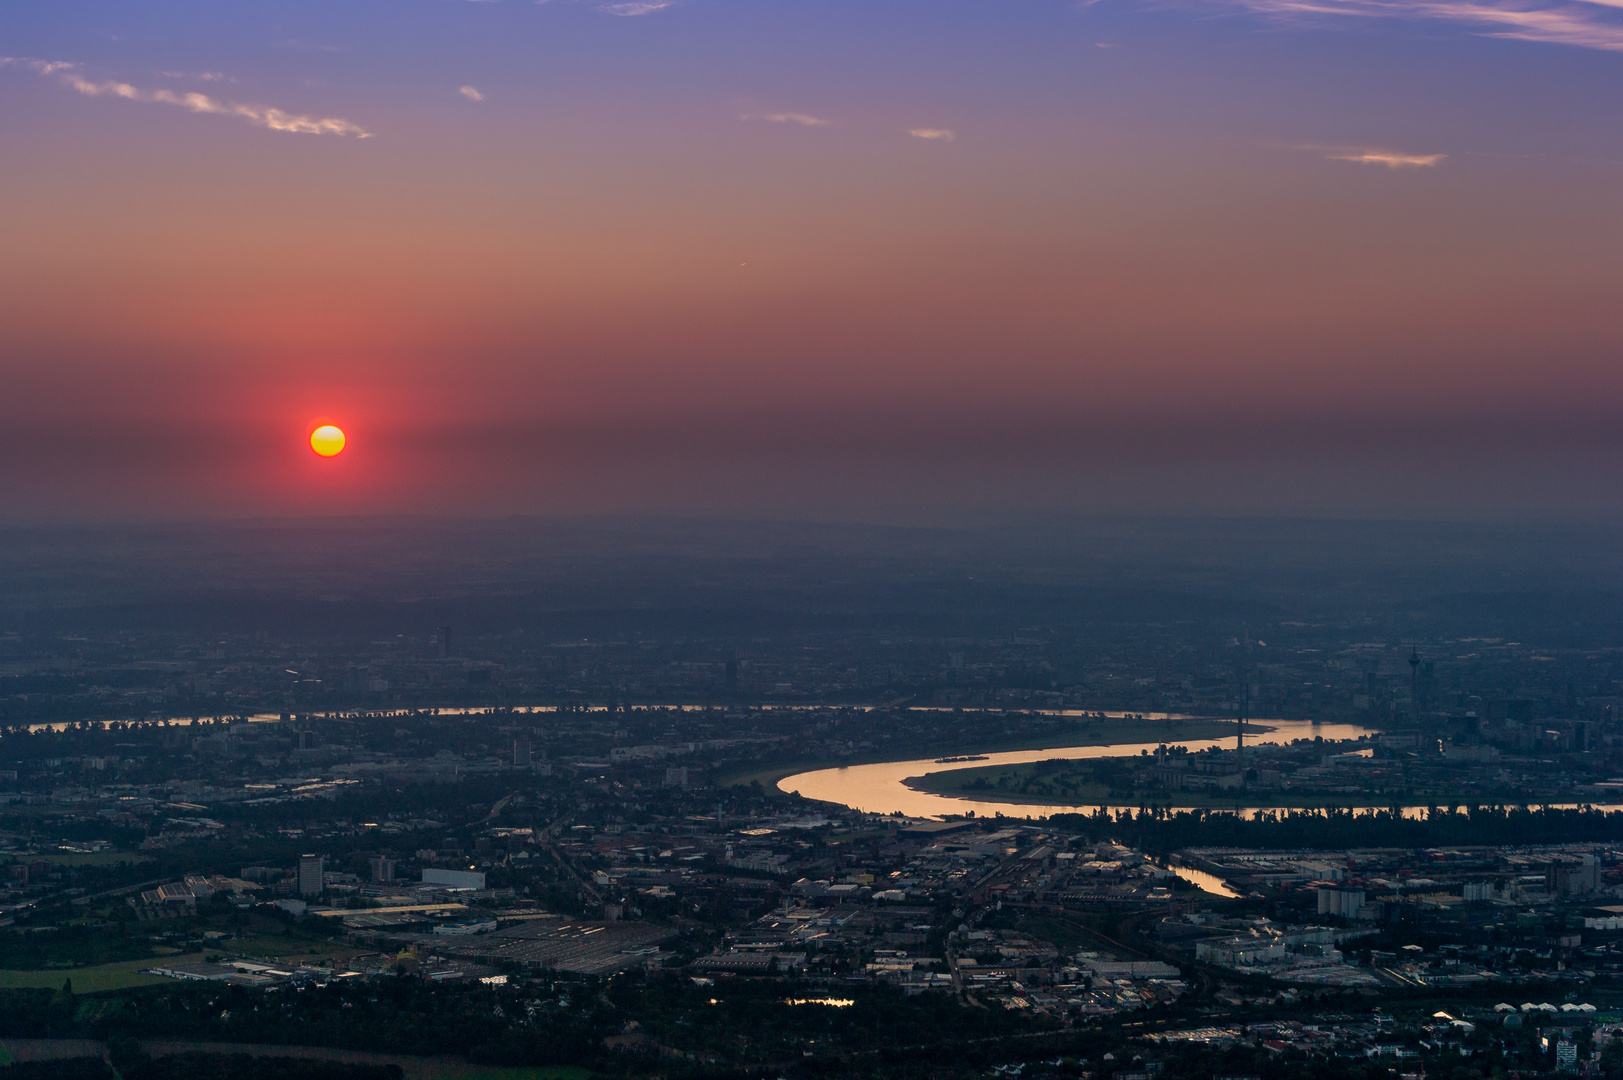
<point x="521" y="753"/>
<point x="1345" y="902"/>
<point x="463" y="929"/>
<point x="454" y="879"/>
<point x="1240" y="952"/>
<point x="1566" y="1055"/>
<point x="311" y="869"/>
<point x="382" y="869"/>
<point x="1573" y="876"/>
<point x="171" y="899"/>
<point x="676" y="776"/>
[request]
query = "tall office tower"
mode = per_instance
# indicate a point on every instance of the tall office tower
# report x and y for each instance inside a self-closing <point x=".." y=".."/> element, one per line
<point x="382" y="869"/>
<point x="521" y="753"/>
<point x="311" y="867"/>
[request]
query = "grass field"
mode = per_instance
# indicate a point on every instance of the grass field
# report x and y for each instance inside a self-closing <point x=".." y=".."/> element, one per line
<point x="533" y="1072"/>
<point x="91" y="980"/>
<point x="289" y="948"/>
<point x="88" y="858"/>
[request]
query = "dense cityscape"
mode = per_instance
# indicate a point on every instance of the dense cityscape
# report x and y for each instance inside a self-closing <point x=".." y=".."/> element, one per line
<point x="1142" y="848"/>
<point x="811" y="540"/>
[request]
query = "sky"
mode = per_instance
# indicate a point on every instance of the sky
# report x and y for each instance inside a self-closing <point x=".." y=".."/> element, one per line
<point x="878" y="259"/>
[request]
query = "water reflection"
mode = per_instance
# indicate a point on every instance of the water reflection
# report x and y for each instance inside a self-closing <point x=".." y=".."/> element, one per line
<point x="1201" y="879"/>
<point x="475" y="710"/>
<point x="879" y="788"/>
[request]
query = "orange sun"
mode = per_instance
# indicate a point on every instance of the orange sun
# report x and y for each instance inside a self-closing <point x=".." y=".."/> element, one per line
<point x="327" y="440"/>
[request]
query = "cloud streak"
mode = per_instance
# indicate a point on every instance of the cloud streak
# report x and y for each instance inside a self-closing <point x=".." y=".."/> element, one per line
<point x="472" y="93"/>
<point x="636" y="7"/>
<point x="803" y="119"/>
<point x="258" y="115"/>
<point x="1391" y="159"/>
<point x="1588" y="24"/>
<point x="935" y="134"/>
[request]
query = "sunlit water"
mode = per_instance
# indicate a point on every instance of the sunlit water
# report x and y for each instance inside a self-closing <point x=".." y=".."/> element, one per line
<point x="1202" y="880"/>
<point x="879" y="788"/>
<point x="525" y="710"/>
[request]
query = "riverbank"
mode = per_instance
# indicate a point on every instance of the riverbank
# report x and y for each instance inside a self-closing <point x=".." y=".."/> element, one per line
<point x="951" y="785"/>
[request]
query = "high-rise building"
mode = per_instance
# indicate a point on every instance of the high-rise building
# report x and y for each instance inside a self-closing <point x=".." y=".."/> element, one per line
<point x="521" y="753"/>
<point x="382" y="869"/>
<point x="311" y="869"/>
<point x="442" y="641"/>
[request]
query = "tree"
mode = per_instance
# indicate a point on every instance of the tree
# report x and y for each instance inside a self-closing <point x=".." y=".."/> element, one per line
<point x="63" y="999"/>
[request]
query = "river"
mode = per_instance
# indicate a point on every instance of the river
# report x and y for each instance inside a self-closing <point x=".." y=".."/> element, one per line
<point x="879" y="788"/>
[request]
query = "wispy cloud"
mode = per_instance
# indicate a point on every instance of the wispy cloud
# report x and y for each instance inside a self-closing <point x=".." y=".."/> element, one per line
<point x="938" y="134"/>
<point x="803" y="119"/>
<point x="636" y="7"/>
<point x="1390" y="158"/>
<point x="38" y="67"/>
<point x="200" y="76"/>
<point x="304" y="46"/>
<point x="472" y="93"/>
<point x="260" y="115"/>
<point x="1589" y="24"/>
<point x="627" y="8"/>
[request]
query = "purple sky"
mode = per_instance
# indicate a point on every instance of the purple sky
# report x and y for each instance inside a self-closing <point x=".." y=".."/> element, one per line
<point x="834" y="258"/>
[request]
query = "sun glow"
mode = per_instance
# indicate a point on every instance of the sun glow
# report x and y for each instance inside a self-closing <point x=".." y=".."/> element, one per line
<point x="327" y="440"/>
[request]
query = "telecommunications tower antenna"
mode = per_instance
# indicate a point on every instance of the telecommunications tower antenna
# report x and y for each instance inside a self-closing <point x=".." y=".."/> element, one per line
<point x="1414" y="682"/>
<point x="1245" y="703"/>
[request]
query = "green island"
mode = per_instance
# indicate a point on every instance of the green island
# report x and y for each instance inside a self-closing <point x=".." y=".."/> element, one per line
<point x="1108" y="781"/>
<point x="1318" y="776"/>
<point x="957" y="734"/>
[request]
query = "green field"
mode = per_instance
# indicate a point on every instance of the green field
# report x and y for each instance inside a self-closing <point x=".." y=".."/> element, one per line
<point x="96" y="858"/>
<point x="531" y="1072"/>
<point x="91" y="980"/>
<point x="284" y="947"/>
<point x="91" y="858"/>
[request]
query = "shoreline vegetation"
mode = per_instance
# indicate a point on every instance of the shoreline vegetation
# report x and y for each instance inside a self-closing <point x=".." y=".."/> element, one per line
<point x="1109" y="781"/>
<point x="1093" y="795"/>
<point x="1072" y="782"/>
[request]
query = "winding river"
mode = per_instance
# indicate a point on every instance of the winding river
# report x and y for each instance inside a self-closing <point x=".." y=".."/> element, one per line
<point x="879" y="788"/>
